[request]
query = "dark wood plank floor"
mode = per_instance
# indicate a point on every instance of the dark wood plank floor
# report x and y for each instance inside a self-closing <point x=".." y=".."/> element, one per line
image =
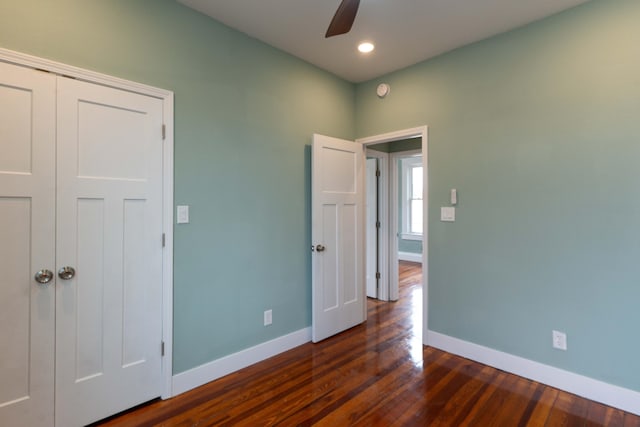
<point x="376" y="374"/>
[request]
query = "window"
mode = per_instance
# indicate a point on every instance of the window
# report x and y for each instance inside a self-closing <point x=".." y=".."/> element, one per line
<point x="411" y="203"/>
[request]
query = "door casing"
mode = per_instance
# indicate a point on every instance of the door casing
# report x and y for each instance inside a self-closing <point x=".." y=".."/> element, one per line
<point x="166" y="96"/>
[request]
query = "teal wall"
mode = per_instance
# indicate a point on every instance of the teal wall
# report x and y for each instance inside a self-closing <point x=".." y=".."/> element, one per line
<point x="538" y="130"/>
<point x="411" y="246"/>
<point x="244" y="116"/>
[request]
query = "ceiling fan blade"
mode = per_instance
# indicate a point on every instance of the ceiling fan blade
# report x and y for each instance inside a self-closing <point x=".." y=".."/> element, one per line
<point x="343" y="19"/>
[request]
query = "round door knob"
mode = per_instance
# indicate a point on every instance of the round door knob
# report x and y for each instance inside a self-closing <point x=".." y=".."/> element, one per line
<point x="320" y="248"/>
<point x="44" y="276"/>
<point x="66" y="273"/>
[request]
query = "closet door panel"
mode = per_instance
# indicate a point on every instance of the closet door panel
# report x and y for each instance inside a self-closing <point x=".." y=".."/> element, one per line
<point x="27" y="236"/>
<point x="109" y="222"/>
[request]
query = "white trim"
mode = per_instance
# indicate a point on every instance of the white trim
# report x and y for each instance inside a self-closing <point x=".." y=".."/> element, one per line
<point x="410" y="236"/>
<point x="407" y="164"/>
<point x="423" y="133"/>
<point x="589" y="388"/>
<point x="24" y="59"/>
<point x="167" y="261"/>
<point x="394" y="212"/>
<point x="208" y="372"/>
<point x="410" y="256"/>
<point x="166" y="96"/>
<point x="383" y="202"/>
<point x="420" y="131"/>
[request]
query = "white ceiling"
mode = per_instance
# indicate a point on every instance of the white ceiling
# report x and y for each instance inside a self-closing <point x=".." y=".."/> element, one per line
<point x="405" y="32"/>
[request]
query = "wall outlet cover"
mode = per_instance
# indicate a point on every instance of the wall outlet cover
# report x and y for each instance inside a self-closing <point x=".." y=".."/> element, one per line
<point x="559" y="340"/>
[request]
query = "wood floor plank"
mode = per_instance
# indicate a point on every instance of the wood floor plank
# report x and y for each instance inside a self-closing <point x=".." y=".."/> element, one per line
<point x="375" y="374"/>
<point x="458" y="405"/>
<point x="568" y="410"/>
<point x="541" y="407"/>
<point x="601" y="415"/>
<point x="631" y="420"/>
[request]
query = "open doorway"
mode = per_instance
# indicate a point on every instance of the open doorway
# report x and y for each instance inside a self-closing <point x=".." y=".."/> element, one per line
<point x="408" y="136"/>
<point x="394" y="214"/>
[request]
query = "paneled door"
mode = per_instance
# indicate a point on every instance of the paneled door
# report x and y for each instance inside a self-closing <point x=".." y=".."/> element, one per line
<point x="27" y="246"/>
<point x="80" y="249"/>
<point x="109" y="231"/>
<point x="337" y="232"/>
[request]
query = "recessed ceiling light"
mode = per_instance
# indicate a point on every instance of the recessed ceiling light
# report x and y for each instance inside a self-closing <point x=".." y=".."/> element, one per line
<point x="366" y="47"/>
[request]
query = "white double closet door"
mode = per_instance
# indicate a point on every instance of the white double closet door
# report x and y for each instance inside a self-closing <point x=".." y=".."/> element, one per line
<point x="80" y="187"/>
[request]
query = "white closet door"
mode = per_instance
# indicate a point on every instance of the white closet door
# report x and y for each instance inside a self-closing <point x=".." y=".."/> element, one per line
<point x="109" y="229"/>
<point x="27" y="232"/>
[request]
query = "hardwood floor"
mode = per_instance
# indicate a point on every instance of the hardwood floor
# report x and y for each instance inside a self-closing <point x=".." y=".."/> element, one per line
<point x="376" y="374"/>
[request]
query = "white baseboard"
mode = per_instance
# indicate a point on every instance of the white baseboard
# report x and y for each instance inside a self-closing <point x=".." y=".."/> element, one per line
<point x="589" y="388"/>
<point x="208" y="372"/>
<point x="409" y="256"/>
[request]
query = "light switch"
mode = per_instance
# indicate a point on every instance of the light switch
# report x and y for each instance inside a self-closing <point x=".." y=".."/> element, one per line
<point x="183" y="214"/>
<point x="447" y="214"/>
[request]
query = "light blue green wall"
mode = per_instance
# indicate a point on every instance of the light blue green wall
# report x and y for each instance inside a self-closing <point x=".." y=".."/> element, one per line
<point x="244" y="116"/>
<point x="538" y="129"/>
<point x="410" y="246"/>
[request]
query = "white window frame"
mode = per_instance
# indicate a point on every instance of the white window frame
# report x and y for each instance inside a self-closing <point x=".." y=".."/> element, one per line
<point x="407" y="164"/>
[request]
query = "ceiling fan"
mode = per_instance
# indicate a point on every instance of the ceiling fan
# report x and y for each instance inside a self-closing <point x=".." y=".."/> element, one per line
<point x="343" y="19"/>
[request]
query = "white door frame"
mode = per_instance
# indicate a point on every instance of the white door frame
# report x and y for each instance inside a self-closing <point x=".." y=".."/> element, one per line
<point x="421" y="132"/>
<point x="166" y="96"/>
<point x="383" y="217"/>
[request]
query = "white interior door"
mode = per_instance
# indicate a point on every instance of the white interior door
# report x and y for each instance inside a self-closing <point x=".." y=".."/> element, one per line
<point x="27" y="233"/>
<point x="109" y="230"/>
<point x="377" y="240"/>
<point x="338" y="236"/>
<point x="372" y="241"/>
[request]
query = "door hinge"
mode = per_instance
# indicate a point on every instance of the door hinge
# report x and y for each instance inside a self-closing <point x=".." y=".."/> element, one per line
<point x="164" y="132"/>
<point x="378" y="173"/>
<point x="164" y="240"/>
<point x="162" y="349"/>
<point x="378" y="225"/>
<point x="377" y="274"/>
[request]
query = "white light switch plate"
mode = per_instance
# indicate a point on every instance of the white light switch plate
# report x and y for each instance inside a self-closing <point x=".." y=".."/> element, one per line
<point x="183" y="215"/>
<point x="447" y="214"/>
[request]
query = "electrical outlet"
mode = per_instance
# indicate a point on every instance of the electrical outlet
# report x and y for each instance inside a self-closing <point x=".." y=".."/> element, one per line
<point x="268" y="319"/>
<point x="559" y="340"/>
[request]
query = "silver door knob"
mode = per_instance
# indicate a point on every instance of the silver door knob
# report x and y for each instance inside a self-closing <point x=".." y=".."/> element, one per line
<point x="44" y="276"/>
<point x="320" y="248"/>
<point x="66" y="273"/>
